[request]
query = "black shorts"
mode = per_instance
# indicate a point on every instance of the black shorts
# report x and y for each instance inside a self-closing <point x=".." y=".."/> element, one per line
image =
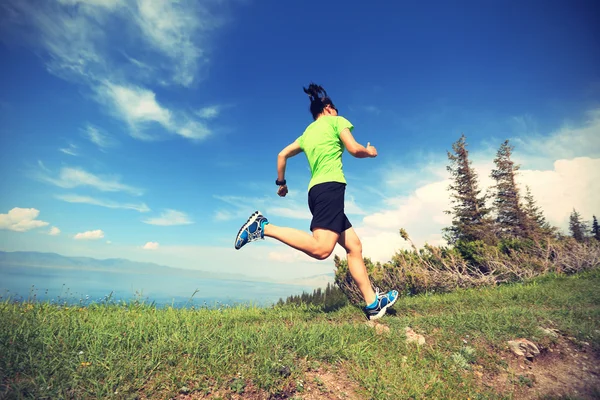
<point x="326" y="203"/>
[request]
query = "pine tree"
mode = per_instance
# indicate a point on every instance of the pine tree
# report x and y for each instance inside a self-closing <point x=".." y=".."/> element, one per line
<point x="469" y="214"/>
<point x="536" y="222"/>
<point x="576" y="226"/>
<point x="510" y="217"/>
<point x="595" y="229"/>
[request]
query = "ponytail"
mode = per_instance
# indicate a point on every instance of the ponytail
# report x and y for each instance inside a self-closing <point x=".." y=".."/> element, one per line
<point x="318" y="99"/>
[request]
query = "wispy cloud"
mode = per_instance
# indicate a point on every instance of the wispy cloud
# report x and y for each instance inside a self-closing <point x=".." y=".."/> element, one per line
<point x="209" y="112"/>
<point x="167" y="44"/>
<point x="73" y="198"/>
<point x="70" y="150"/>
<point x="90" y="235"/>
<point x="169" y="218"/>
<point x="98" y="137"/>
<point x="21" y="220"/>
<point x="43" y="167"/>
<point x="567" y="142"/>
<point x="77" y="37"/>
<point x="78" y="177"/>
<point x="372" y="109"/>
<point x="138" y="107"/>
<point x="54" y="231"/>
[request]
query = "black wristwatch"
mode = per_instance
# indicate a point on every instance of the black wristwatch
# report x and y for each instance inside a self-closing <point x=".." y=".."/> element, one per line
<point x="279" y="183"/>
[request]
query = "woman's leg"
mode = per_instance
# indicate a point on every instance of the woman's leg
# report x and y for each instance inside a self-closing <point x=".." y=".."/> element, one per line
<point x="319" y="245"/>
<point x="349" y="240"/>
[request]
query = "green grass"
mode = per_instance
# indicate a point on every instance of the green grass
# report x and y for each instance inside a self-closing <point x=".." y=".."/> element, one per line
<point x="137" y="350"/>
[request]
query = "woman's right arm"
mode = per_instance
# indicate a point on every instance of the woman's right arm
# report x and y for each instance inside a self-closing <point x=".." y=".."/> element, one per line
<point x="355" y="148"/>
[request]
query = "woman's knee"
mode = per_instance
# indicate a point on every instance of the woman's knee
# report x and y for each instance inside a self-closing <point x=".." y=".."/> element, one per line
<point x="354" y="247"/>
<point x="321" y="253"/>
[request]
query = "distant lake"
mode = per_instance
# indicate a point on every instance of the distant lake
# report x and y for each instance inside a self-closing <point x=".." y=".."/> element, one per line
<point x="87" y="286"/>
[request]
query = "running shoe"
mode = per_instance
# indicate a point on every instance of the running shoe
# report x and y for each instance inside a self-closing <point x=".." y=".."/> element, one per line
<point x="252" y="230"/>
<point x="381" y="304"/>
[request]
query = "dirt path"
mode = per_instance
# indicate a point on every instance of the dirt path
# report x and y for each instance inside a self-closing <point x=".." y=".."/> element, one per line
<point x="563" y="369"/>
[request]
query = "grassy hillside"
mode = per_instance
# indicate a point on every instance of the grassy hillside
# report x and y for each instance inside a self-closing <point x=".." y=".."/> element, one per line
<point x="138" y="351"/>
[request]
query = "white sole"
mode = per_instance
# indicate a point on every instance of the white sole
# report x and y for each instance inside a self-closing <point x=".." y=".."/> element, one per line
<point x="381" y="312"/>
<point x="245" y="226"/>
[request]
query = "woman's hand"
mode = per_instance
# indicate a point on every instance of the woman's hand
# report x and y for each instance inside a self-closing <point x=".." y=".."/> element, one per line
<point x="371" y="150"/>
<point x="282" y="191"/>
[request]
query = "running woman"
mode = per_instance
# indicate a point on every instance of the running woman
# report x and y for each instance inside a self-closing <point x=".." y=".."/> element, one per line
<point x="323" y="143"/>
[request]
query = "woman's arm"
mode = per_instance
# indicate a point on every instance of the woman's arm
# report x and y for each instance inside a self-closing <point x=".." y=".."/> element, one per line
<point x="355" y="148"/>
<point x="290" y="151"/>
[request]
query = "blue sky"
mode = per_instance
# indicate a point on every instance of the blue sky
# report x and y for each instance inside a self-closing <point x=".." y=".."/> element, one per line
<point x="149" y="130"/>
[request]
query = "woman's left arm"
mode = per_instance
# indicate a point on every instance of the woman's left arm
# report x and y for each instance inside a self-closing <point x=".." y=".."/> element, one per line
<point x="290" y="151"/>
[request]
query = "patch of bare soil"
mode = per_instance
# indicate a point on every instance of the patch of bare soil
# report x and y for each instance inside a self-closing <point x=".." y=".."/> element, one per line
<point x="330" y="385"/>
<point x="562" y="369"/>
<point x="326" y="383"/>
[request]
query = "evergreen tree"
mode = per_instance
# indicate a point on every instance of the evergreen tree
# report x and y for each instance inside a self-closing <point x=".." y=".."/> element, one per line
<point x="329" y="299"/>
<point x="595" y="229"/>
<point x="576" y="226"/>
<point x="536" y="222"/>
<point x="511" y="219"/>
<point x="469" y="213"/>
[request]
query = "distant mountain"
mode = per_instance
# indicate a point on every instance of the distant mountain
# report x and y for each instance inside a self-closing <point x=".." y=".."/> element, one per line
<point x="53" y="260"/>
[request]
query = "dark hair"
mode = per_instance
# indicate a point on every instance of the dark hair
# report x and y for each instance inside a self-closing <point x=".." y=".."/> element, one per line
<point x="318" y="99"/>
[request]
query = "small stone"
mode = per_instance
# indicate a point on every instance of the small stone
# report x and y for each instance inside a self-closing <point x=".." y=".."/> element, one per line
<point x="549" y="331"/>
<point x="184" y="390"/>
<point x="379" y="328"/>
<point x="412" y="336"/>
<point x="524" y="348"/>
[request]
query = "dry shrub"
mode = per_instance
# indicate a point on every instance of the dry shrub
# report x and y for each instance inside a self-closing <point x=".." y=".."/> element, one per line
<point x="468" y="265"/>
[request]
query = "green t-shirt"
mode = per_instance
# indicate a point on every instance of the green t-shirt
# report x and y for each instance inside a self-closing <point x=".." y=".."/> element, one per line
<point x="323" y="147"/>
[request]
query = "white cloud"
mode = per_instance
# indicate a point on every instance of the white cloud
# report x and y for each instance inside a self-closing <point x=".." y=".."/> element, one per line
<point x="170" y="28"/>
<point x="209" y="112"/>
<point x="75" y="177"/>
<point x="89" y="235"/>
<point x="21" y="220"/>
<point x="571" y="180"/>
<point x="534" y="150"/>
<point x="151" y="246"/>
<point x="570" y="184"/>
<point x="73" y="198"/>
<point x="167" y="42"/>
<point x="43" y="167"/>
<point x="168" y="218"/>
<point x="71" y="150"/>
<point x="98" y="137"/>
<point x="54" y="231"/>
<point x="138" y="107"/>
<point x="80" y="36"/>
<point x="109" y="4"/>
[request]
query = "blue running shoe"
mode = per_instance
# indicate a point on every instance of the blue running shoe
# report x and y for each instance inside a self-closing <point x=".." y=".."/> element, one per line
<point x="381" y="304"/>
<point x="252" y="230"/>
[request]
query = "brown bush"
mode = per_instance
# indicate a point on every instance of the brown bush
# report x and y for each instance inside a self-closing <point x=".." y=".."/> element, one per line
<point x="443" y="269"/>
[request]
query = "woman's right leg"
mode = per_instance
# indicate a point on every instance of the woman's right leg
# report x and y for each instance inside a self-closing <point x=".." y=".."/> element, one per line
<point x="319" y="245"/>
<point x="349" y="240"/>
